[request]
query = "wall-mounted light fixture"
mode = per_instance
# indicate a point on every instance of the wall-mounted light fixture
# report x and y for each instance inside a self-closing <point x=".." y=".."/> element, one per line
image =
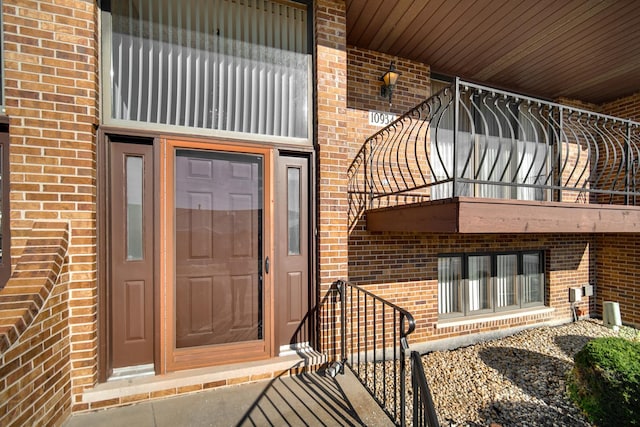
<point x="389" y="79"/>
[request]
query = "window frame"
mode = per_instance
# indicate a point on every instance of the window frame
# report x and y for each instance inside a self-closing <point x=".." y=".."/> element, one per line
<point x="106" y="104"/>
<point x="2" y="108"/>
<point x="5" y="224"/>
<point x="463" y="288"/>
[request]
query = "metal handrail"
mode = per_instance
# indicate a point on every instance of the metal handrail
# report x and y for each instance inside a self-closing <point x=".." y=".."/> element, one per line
<point x="424" y="411"/>
<point x="373" y="334"/>
<point x="477" y="141"/>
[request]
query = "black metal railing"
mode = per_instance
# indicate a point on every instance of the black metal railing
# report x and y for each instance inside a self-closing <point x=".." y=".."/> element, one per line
<point x="476" y="141"/>
<point x="374" y="344"/>
<point x="424" y="411"/>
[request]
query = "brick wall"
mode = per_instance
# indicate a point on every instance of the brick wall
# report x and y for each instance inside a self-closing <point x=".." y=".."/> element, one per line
<point x="51" y="97"/>
<point x="404" y="269"/>
<point x="618" y="274"/>
<point x="331" y="74"/>
<point x="618" y="270"/>
<point x="627" y="108"/>
<point x="35" y="363"/>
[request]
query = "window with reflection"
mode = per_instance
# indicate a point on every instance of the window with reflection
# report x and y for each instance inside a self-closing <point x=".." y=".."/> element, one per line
<point x="238" y="66"/>
<point x="475" y="284"/>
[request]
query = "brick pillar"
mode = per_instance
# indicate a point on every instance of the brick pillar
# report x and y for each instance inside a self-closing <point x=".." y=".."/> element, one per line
<point x="51" y="97"/>
<point x="331" y="107"/>
<point x="332" y="137"/>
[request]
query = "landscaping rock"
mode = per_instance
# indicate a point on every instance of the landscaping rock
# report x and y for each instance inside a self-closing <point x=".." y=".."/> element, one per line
<point x="514" y="381"/>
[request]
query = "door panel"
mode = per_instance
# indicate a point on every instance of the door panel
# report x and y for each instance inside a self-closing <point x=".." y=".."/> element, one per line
<point x="218" y="248"/>
<point x="132" y="262"/>
<point x="292" y="251"/>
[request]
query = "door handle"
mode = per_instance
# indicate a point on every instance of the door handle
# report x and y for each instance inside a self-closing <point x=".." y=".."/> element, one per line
<point x="266" y="265"/>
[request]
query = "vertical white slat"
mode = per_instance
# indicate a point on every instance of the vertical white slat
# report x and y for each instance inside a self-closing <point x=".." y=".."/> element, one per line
<point x="179" y="70"/>
<point x="255" y="69"/>
<point x="262" y="22"/>
<point x="207" y="55"/>
<point x="270" y="68"/>
<point x="247" y="60"/>
<point x="236" y="102"/>
<point x="169" y="118"/>
<point x="150" y="56"/>
<point x="277" y="67"/>
<point x="119" y="89"/>
<point x="222" y="75"/>
<point x="130" y="63"/>
<point x="284" y="66"/>
<point x="198" y="65"/>
<point x="187" y="75"/>
<point x="292" y="65"/>
<point x="140" y="60"/>
<point x="231" y="66"/>
<point x="161" y="44"/>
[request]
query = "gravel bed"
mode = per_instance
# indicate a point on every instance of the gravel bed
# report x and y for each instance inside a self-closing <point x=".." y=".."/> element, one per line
<point x="514" y="381"/>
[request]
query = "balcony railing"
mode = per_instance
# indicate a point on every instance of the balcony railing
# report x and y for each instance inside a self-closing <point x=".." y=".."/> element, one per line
<point x="476" y="141"/>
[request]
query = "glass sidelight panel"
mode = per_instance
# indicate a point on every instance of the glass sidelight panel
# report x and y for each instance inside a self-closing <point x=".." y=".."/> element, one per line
<point x="218" y="247"/>
<point x="293" y="210"/>
<point x="134" y="171"/>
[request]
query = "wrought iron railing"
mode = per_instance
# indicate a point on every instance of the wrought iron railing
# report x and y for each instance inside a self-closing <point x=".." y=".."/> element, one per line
<point x="476" y="141"/>
<point x="374" y="344"/>
<point x="424" y="411"/>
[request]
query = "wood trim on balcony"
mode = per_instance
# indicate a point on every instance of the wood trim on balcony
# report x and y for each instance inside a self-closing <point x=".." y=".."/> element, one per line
<point x="468" y="215"/>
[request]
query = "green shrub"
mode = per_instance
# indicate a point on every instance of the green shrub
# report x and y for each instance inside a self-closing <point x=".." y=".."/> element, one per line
<point x="605" y="381"/>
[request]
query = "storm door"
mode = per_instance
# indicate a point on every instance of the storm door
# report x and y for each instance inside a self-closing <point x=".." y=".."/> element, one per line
<point x="219" y="290"/>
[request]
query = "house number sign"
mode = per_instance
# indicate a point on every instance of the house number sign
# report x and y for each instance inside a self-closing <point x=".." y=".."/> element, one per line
<point x="378" y="118"/>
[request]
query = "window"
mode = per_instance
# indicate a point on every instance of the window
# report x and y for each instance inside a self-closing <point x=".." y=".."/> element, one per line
<point x="5" y="237"/>
<point x="219" y="65"/>
<point x="472" y="284"/>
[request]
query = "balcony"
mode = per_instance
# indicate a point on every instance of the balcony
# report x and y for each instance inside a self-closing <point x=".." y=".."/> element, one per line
<point x="473" y="159"/>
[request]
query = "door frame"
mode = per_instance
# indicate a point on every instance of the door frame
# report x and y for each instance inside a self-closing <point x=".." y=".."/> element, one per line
<point x="172" y="358"/>
<point x="105" y="134"/>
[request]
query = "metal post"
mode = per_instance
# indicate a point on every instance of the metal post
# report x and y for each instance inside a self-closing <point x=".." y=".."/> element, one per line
<point x="559" y="147"/>
<point x="628" y="166"/>
<point x="456" y="112"/>
<point x="370" y="174"/>
<point x="342" y="287"/>
<point x="403" y="378"/>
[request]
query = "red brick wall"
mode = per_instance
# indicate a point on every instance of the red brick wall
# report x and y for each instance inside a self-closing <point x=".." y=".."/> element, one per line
<point x="404" y="269"/>
<point x="35" y="365"/>
<point x="618" y="274"/>
<point x="51" y="98"/>
<point x="627" y="108"/>
<point x="618" y="269"/>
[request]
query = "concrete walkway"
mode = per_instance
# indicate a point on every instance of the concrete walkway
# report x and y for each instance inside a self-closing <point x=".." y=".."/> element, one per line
<point x="311" y="399"/>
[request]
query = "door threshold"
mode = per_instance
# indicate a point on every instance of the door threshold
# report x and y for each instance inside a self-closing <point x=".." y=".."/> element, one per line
<point x="132" y="372"/>
<point x="123" y="391"/>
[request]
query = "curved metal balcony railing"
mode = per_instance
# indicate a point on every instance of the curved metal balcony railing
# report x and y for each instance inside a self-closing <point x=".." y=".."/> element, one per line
<point x="476" y="141"/>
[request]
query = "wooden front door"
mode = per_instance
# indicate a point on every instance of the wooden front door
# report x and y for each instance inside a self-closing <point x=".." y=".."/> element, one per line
<point x="131" y="291"/>
<point x="219" y="298"/>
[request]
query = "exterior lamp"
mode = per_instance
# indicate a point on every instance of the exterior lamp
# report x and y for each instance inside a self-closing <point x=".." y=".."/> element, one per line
<point x="389" y="79"/>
